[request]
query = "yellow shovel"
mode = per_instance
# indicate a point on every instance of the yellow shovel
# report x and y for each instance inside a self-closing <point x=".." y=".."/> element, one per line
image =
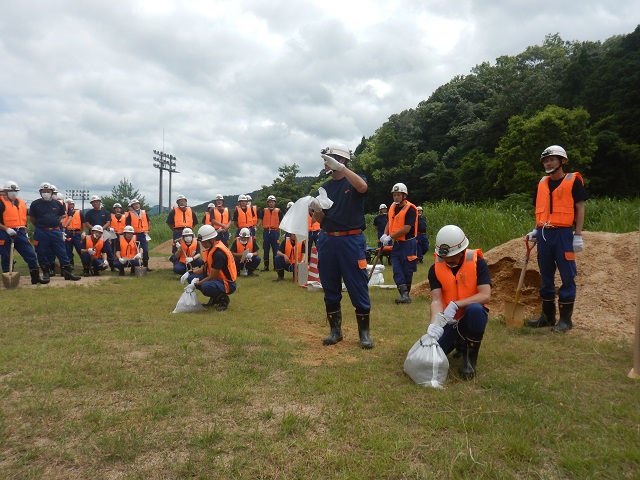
<point x="12" y="279"/>
<point x="514" y="311"/>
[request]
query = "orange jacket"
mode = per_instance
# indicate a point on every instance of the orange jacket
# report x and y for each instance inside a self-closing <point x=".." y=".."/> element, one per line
<point x="254" y="216"/>
<point x="118" y="225"/>
<point x="464" y="284"/>
<point x="128" y="249"/>
<point x="396" y="221"/>
<point x="76" y="221"/>
<point x="182" y="219"/>
<point x="139" y="224"/>
<point x="14" y="216"/>
<point x="313" y="226"/>
<point x="245" y="217"/>
<point x="207" y="257"/>
<point x="240" y="248"/>
<point x="271" y="218"/>
<point x="97" y="245"/>
<point x="563" y="213"/>
<point x="288" y="251"/>
<point x="219" y="216"/>
<point x="187" y="251"/>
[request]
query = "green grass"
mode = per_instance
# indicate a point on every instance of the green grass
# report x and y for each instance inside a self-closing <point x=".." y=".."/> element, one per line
<point x="104" y="382"/>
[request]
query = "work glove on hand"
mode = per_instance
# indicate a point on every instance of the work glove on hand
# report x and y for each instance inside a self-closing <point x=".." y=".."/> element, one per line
<point x="324" y="199"/>
<point x="315" y="205"/>
<point x="531" y="236"/>
<point x="112" y="230"/>
<point x="249" y="255"/>
<point x="331" y="163"/>
<point x="11" y="232"/>
<point x="435" y="331"/>
<point x="138" y="256"/>
<point x="91" y="251"/>
<point x="194" y="281"/>
<point x="177" y="244"/>
<point x="385" y="239"/>
<point x="184" y="278"/>
<point x="450" y="312"/>
<point x="578" y="244"/>
<point x="122" y="260"/>
<point x="190" y="288"/>
<point x="189" y="259"/>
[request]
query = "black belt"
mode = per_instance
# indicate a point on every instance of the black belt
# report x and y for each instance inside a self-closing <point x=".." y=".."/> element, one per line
<point x="74" y="231"/>
<point x="271" y="229"/>
<point x="50" y="228"/>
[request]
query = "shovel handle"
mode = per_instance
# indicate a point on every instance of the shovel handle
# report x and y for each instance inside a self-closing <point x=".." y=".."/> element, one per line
<point x="375" y="262"/>
<point x="529" y="246"/>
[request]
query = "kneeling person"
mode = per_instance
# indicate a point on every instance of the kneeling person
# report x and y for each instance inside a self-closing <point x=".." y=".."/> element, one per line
<point x="245" y="247"/>
<point x="128" y="251"/>
<point x="290" y="252"/>
<point x="187" y="254"/>
<point x="91" y="252"/>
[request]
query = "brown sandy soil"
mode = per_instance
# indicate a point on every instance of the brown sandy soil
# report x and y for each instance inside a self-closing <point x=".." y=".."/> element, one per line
<point x="607" y="283"/>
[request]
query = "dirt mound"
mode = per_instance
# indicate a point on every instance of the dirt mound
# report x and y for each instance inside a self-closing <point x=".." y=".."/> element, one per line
<point x="607" y="282"/>
<point x="164" y="248"/>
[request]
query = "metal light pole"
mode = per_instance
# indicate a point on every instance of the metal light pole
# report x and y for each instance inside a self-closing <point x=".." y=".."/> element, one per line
<point x="78" y="195"/>
<point x="164" y="161"/>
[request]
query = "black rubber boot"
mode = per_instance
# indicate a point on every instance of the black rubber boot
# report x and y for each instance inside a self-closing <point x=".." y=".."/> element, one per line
<point x="564" y="324"/>
<point x="363" y="330"/>
<point x="86" y="271"/>
<point x="133" y="271"/>
<point x="404" y="294"/>
<point x="266" y="266"/>
<point x="335" y="322"/>
<point x="145" y="264"/>
<point x="280" y="277"/>
<point x="469" y="359"/>
<point x="45" y="273"/>
<point x="547" y="317"/>
<point x="68" y="274"/>
<point x="222" y="302"/>
<point x="121" y="272"/>
<point x="52" y="269"/>
<point x="35" y="277"/>
<point x="112" y="266"/>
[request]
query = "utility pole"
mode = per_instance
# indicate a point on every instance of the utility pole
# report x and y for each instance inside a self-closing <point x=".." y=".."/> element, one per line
<point x="164" y="161"/>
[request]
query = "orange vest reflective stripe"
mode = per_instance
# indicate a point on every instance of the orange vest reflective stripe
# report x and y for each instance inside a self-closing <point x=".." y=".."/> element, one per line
<point x="76" y="222"/>
<point x="563" y="206"/>
<point x="464" y="284"/>
<point x="313" y="226"/>
<point x="118" y="225"/>
<point x="207" y="257"/>
<point x="288" y="250"/>
<point x="189" y="251"/>
<point x="271" y="218"/>
<point x="97" y="246"/>
<point x="221" y="216"/>
<point x="139" y="224"/>
<point x="396" y="221"/>
<point x="245" y="217"/>
<point x="14" y="216"/>
<point x="182" y="219"/>
<point x="128" y="249"/>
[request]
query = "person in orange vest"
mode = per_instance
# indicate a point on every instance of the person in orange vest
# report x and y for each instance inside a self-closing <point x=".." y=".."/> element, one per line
<point x="246" y="243"/>
<point x="13" y="228"/>
<point x="179" y="218"/>
<point x="217" y="277"/>
<point x="218" y="216"/>
<point x="118" y="222"/>
<point x="243" y="215"/>
<point x="559" y="207"/>
<point x="402" y="229"/>
<point x="290" y="252"/>
<point x="92" y="253"/>
<point x="139" y="220"/>
<point x="422" y="236"/>
<point x="270" y="218"/>
<point x="128" y="251"/>
<point x="460" y="289"/>
<point x="314" y="231"/>
<point x="254" y="215"/>
<point x="72" y="225"/>
<point x="187" y="256"/>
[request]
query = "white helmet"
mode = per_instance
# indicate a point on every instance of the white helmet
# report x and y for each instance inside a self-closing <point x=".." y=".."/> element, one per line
<point x="450" y="241"/>
<point x="400" y="187"/>
<point x="211" y="205"/>
<point x="552" y="151"/>
<point x="244" y="233"/>
<point x="60" y="196"/>
<point x="54" y="188"/>
<point x="128" y="229"/>
<point x="117" y="205"/>
<point x="11" y="186"/>
<point x="242" y="198"/>
<point x="207" y="232"/>
<point x="382" y="205"/>
<point x="271" y="198"/>
<point x="187" y="231"/>
<point x="248" y="197"/>
<point x="219" y="197"/>
<point x="134" y="200"/>
<point x="419" y="209"/>
<point x="95" y="198"/>
<point x="337" y="149"/>
<point x="70" y="201"/>
<point x="98" y="228"/>
<point x="289" y="205"/>
<point x="46" y="186"/>
<point x="181" y="197"/>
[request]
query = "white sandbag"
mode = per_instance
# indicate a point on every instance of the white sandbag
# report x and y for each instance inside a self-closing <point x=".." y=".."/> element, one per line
<point x="377" y="278"/>
<point x="188" y="301"/>
<point x="426" y="363"/>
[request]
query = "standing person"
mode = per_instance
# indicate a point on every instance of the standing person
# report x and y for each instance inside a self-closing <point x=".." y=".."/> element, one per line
<point x="217" y="277"/>
<point x="422" y="237"/>
<point x="242" y="215"/>
<point x="13" y="228"/>
<point x="72" y="225"/>
<point x="139" y="220"/>
<point x="254" y="215"/>
<point x="220" y="219"/>
<point x="179" y="218"/>
<point x="245" y="242"/>
<point x="460" y="289"/>
<point x="271" y="218"/>
<point x="187" y="256"/>
<point x="99" y="216"/>
<point x="206" y="220"/>
<point x="45" y="214"/>
<point x="559" y="207"/>
<point x="380" y="222"/>
<point x="314" y="231"/>
<point x="91" y="254"/>
<point x="342" y="245"/>
<point x="290" y="252"/>
<point x="401" y="229"/>
<point x="128" y="251"/>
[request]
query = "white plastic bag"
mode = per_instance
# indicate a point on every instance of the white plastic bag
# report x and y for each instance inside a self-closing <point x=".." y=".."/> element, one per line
<point x="426" y="363"/>
<point x="377" y="278"/>
<point x="188" y="301"/>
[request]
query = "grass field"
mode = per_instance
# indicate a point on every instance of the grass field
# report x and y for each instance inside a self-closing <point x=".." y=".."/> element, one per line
<point x="104" y="382"/>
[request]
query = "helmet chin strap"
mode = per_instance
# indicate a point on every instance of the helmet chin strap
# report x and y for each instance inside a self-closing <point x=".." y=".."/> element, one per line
<point x="552" y="170"/>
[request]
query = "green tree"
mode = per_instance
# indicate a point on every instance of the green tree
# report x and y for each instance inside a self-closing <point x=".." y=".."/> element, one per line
<point x="122" y="194"/>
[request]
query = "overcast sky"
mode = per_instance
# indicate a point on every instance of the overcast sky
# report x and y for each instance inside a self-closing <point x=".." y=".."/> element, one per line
<point x="236" y="89"/>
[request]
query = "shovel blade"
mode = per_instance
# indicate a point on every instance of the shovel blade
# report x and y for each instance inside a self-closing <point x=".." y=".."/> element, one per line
<point x="514" y="314"/>
<point x="11" y="280"/>
<point x="303" y="273"/>
<point x="140" y="271"/>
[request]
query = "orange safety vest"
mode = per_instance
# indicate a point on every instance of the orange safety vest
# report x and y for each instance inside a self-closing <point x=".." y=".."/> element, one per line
<point x="128" y="249"/>
<point x="270" y="218"/>
<point x="182" y="219"/>
<point x="221" y="216"/>
<point x="288" y="250"/>
<point x="464" y="284"/>
<point x="76" y="222"/>
<point x="245" y="217"/>
<point x="241" y="248"/>
<point x="563" y="213"/>
<point x="139" y="224"/>
<point x="118" y="225"/>
<point x="313" y="226"/>
<point x="189" y="251"/>
<point x="396" y="221"/>
<point x="14" y="216"/>
<point x="207" y="257"/>
<point x="254" y="216"/>
<point x="97" y="246"/>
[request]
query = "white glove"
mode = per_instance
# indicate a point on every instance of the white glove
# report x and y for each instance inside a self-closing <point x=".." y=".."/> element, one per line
<point x="190" y="288"/>
<point x="193" y="282"/>
<point x="64" y="236"/>
<point x="11" y="232"/>
<point x="138" y="256"/>
<point x="435" y="331"/>
<point x="331" y="163"/>
<point x="189" y="259"/>
<point x="324" y="199"/>
<point x="177" y="243"/>
<point x="184" y="278"/>
<point x="112" y="230"/>
<point x="578" y="244"/>
<point x="450" y="311"/>
<point x="91" y="251"/>
<point x="315" y="205"/>
<point x="122" y="260"/>
<point x="249" y="255"/>
<point x="385" y="239"/>
<point x="531" y="236"/>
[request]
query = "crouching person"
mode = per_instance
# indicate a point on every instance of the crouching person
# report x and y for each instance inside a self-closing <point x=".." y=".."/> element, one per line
<point x="187" y="254"/>
<point x="216" y="278"/>
<point x="245" y="247"/>
<point x="128" y="251"/>
<point x="290" y="252"/>
<point x="460" y="288"/>
<point x="91" y="253"/>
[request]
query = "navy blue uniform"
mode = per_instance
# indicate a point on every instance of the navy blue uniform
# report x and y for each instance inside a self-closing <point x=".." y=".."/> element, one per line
<point x="20" y="242"/>
<point x="100" y="217"/>
<point x="422" y="237"/>
<point x="47" y="237"/>
<point x="270" y="237"/>
<point x="405" y="250"/>
<point x="380" y="222"/>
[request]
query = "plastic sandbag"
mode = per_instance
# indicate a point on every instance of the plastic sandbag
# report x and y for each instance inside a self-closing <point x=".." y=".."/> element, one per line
<point x="426" y="363"/>
<point x="188" y="301"/>
<point x="377" y="278"/>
